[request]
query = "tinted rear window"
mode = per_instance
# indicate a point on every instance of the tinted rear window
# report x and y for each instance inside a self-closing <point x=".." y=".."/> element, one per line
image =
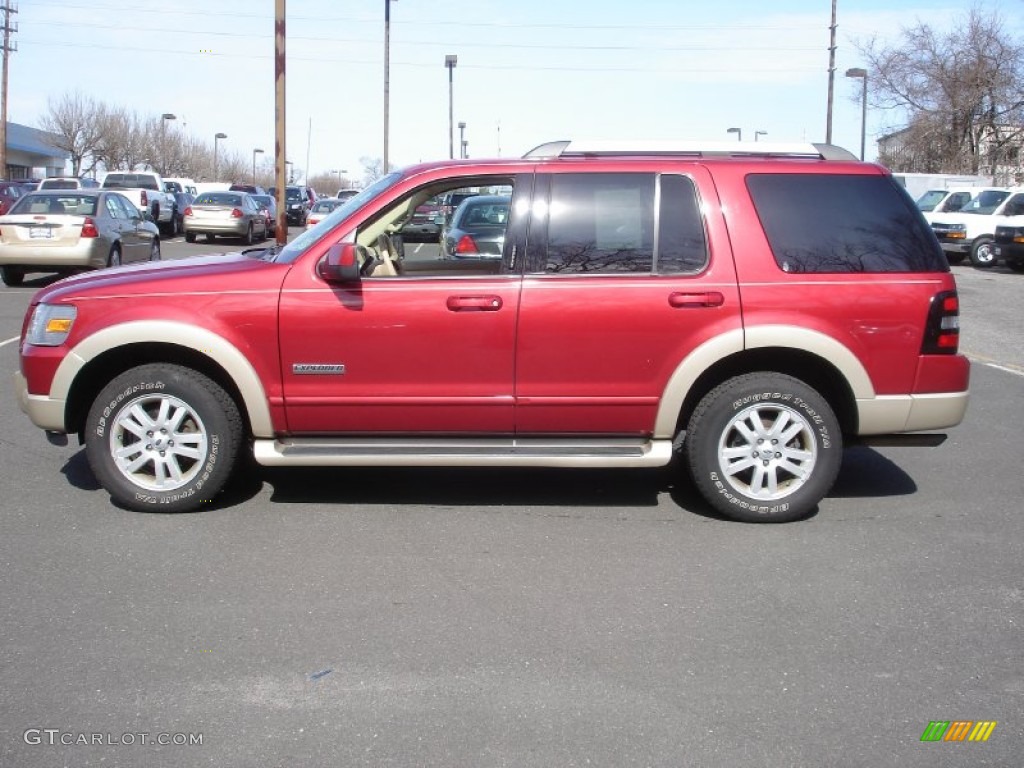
<point x="825" y="223"/>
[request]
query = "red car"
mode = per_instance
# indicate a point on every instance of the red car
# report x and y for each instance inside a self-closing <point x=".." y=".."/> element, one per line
<point x="744" y="310"/>
<point x="10" y="193"/>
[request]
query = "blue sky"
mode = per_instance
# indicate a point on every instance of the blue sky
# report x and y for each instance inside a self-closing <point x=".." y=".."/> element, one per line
<point x="527" y="72"/>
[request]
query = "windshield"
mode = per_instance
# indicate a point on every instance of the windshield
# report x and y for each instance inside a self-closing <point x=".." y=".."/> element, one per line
<point x="930" y="199"/>
<point x="986" y="202"/>
<point x="298" y="246"/>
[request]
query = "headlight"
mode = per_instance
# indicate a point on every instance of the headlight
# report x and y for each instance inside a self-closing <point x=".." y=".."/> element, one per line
<point x="50" y="324"/>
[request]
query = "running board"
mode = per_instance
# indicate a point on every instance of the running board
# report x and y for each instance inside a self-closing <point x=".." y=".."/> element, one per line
<point x="462" y="452"/>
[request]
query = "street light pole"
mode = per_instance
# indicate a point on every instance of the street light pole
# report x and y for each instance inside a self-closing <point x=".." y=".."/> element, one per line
<point x="216" y="138"/>
<point x="863" y="75"/>
<point x="291" y="173"/>
<point x="737" y="131"/>
<point x="462" y="139"/>
<point x="450" y="61"/>
<point x="254" y="153"/>
<point x="163" y="140"/>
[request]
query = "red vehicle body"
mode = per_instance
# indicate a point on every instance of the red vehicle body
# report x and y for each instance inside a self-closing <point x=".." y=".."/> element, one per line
<point x="530" y="367"/>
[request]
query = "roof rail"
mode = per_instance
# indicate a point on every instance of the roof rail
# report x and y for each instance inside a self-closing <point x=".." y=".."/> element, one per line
<point x="554" y="149"/>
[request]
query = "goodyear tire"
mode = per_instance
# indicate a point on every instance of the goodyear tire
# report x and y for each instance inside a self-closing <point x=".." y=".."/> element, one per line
<point x="163" y="438"/>
<point x="763" y="447"/>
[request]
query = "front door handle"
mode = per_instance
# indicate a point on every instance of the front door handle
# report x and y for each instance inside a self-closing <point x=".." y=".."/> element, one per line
<point x="474" y="303"/>
<point x="691" y="300"/>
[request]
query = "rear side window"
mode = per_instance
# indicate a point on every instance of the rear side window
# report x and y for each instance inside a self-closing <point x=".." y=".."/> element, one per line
<point x="613" y="223"/>
<point x="832" y="223"/>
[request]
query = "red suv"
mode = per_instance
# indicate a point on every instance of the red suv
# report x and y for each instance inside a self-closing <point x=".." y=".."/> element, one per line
<point x="745" y="310"/>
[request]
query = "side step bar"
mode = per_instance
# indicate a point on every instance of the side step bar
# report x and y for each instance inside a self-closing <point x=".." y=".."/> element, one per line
<point x="462" y="452"/>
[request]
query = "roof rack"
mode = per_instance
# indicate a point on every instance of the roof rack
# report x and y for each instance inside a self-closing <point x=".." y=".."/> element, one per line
<point x="555" y="149"/>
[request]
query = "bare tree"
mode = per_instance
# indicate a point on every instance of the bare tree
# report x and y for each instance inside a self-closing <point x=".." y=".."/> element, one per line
<point x="958" y="95"/>
<point x="122" y="139"/>
<point x="75" y="120"/>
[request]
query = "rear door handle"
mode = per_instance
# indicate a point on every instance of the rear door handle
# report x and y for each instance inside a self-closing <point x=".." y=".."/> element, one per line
<point x="691" y="300"/>
<point x="474" y="303"/>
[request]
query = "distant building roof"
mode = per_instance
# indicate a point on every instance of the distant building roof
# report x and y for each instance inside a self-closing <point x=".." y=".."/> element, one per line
<point x="34" y="141"/>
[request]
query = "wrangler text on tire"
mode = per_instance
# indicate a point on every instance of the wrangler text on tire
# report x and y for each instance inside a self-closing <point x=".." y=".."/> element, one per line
<point x="763" y="447"/>
<point x="163" y="438"/>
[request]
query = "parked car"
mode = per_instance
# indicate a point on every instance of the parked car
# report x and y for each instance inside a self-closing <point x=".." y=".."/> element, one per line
<point x="10" y="193"/>
<point x="146" y="190"/>
<point x="297" y="202"/>
<point x="64" y="231"/>
<point x="453" y="200"/>
<point x="345" y="194"/>
<point x="182" y="200"/>
<point x="742" y="309"/>
<point x="252" y="189"/>
<point x="321" y="209"/>
<point x="477" y="229"/>
<point x="228" y="214"/>
<point x="971" y="231"/>
<point x="424" y="226"/>
<point x="1009" y="242"/>
<point x="269" y="207"/>
<point x="67" y="182"/>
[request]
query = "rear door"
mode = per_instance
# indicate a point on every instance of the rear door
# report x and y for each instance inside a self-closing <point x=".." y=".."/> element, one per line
<point x="621" y="285"/>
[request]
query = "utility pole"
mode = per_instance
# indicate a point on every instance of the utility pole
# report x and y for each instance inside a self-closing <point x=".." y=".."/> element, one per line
<point x="9" y="46"/>
<point x="831" y="74"/>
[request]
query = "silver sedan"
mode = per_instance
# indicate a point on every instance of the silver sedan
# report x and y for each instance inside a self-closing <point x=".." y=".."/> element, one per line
<point x="65" y="230"/>
<point x="230" y="214"/>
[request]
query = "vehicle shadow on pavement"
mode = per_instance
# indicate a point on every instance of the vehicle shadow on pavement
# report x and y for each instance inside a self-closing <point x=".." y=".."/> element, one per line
<point x="867" y="473"/>
<point x="467" y="486"/>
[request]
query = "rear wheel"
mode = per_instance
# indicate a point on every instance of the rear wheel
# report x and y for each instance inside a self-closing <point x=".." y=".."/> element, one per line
<point x="763" y="447"/>
<point x="190" y="237"/>
<point x="12" y="275"/>
<point x="154" y="250"/>
<point x="114" y="259"/>
<point x="983" y="254"/>
<point x="249" y="239"/>
<point x="163" y="437"/>
<point x="211" y="238"/>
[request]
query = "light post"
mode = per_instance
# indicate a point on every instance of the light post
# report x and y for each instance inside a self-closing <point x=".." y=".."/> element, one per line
<point x="163" y="140"/>
<point x="465" y="149"/>
<point x="291" y="173"/>
<point x="462" y="139"/>
<point x="216" y="138"/>
<point x="254" y="153"/>
<point x="450" y="61"/>
<point x="737" y="131"/>
<point x="387" y="77"/>
<point x="863" y="75"/>
<point x="759" y="133"/>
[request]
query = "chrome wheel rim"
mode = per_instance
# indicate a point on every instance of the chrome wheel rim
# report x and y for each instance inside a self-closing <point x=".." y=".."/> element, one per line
<point x="985" y="254"/>
<point x="767" y="452"/>
<point x="158" y="442"/>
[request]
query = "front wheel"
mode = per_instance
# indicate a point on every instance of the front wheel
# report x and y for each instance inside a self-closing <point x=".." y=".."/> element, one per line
<point x="163" y="437"/>
<point x="983" y="254"/>
<point x="763" y="447"/>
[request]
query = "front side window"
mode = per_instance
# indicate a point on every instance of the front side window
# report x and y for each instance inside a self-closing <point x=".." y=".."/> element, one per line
<point x="613" y="223"/>
<point x="835" y="223"/>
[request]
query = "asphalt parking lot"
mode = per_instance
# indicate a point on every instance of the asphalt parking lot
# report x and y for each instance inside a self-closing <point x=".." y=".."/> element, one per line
<point x="401" y="617"/>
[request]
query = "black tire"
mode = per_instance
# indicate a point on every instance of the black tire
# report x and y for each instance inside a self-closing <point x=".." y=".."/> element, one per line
<point x="154" y="250"/>
<point x="249" y="239"/>
<point x="12" y="276"/>
<point x="211" y="238"/>
<point x="198" y="413"/>
<point x="190" y="237"/>
<point x="114" y="257"/>
<point x="983" y="254"/>
<point x="1016" y="266"/>
<point x="809" y="434"/>
<point x="956" y="258"/>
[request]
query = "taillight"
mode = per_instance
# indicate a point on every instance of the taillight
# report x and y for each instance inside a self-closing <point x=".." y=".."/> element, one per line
<point x="89" y="228"/>
<point x="143" y="199"/>
<point x="236" y="213"/>
<point x="942" y="332"/>
<point x="466" y="245"/>
<point x="188" y="211"/>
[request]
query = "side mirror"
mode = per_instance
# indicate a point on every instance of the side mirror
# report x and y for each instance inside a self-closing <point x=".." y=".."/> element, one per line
<point x="340" y="265"/>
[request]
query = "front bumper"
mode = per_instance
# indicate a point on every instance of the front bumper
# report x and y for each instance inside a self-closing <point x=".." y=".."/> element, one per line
<point x="44" y="411"/>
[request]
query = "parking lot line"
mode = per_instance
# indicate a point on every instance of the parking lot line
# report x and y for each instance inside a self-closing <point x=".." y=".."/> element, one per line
<point x="5" y="342"/>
